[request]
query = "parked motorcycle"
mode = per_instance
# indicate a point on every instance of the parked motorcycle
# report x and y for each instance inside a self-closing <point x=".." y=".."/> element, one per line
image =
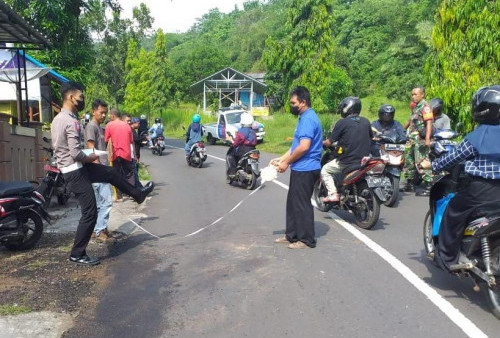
<point x="158" y="146"/>
<point x="21" y="213"/>
<point x="197" y="154"/>
<point x="247" y="168"/>
<point x="392" y="150"/>
<point x="360" y="191"/>
<point x="480" y="243"/>
<point x="53" y="182"/>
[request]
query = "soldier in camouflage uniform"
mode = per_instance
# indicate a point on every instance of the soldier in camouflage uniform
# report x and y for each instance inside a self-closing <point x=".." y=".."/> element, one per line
<point x="419" y="131"/>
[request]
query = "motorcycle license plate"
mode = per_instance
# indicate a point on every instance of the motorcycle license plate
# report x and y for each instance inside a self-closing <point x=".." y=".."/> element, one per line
<point x="398" y="147"/>
<point x="374" y="182"/>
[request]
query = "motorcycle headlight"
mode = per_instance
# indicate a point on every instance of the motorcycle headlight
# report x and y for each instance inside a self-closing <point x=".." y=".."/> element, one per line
<point x="377" y="169"/>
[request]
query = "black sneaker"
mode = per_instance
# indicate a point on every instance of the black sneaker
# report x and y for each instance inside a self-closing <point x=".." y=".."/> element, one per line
<point x="84" y="260"/>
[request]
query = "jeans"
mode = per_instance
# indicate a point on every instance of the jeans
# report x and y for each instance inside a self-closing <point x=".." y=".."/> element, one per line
<point x="104" y="201"/>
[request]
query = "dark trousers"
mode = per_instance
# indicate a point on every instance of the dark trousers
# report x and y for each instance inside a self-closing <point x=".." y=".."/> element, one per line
<point x="79" y="182"/>
<point x="299" y="210"/>
<point x="478" y="197"/>
<point x="126" y="169"/>
<point x="236" y="155"/>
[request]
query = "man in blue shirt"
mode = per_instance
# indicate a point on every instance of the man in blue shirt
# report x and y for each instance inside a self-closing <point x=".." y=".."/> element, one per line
<point x="480" y="150"/>
<point x="304" y="159"/>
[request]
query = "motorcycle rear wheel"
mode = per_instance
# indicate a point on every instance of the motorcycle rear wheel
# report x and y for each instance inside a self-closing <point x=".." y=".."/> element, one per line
<point x="394" y="196"/>
<point x="428" y="240"/>
<point x="32" y="225"/>
<point x="367" y="210"/>
<point x="318" y="193"/>
<point x="494" y="294"/>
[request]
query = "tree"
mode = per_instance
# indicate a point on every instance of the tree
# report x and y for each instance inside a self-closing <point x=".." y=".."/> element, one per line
<point x="466" y="53"/>
<point x="304" y="56"/>
<point x="161" y="67"/>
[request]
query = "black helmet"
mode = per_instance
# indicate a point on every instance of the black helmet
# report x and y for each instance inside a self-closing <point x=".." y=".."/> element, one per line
<point x="436" y="106"/>
<point x="386" y="113"/>
<point x="486" y="104"/>
<point x="157" y="120"/>
<point x="349" y="106"/>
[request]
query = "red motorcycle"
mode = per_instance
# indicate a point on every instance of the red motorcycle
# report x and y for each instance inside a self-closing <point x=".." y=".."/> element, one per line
<point x="360" y="191"/>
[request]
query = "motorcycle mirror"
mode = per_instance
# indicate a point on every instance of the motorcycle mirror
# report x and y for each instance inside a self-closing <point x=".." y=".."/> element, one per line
<point x="459" y="128"/>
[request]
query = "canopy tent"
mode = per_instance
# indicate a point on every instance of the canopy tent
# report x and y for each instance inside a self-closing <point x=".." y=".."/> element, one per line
<point x="15" y="30"/>
<point x="228" y="83"/>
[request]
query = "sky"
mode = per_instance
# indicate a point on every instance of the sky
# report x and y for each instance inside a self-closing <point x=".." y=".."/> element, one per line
<point x="177" y="16"/>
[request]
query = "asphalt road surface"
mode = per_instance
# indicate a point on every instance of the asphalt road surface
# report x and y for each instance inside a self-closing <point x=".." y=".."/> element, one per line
<point x="191" y="276"/>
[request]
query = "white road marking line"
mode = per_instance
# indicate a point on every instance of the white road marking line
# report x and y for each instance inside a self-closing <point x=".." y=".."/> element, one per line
<point x="465" y="324"/>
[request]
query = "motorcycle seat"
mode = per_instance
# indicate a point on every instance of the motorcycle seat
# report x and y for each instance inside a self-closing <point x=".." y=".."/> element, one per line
<point x="9" y="189"/>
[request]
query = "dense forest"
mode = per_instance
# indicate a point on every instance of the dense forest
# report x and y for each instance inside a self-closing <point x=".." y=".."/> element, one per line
<point x="334" y="47"/>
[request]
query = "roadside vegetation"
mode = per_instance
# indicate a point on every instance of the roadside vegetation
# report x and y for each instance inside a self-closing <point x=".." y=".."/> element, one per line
<point x="368" y="48"/>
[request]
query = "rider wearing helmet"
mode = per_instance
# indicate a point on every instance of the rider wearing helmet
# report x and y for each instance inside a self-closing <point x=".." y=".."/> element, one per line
<point x="245" y="140"/>
<point x="353" y="136"/>
<point x="193" y="134"/>
<point x="480" y="150"/>
<point x="441" y="120"/>
<point x="386" y="125"/>
<point x="155" y="131"/>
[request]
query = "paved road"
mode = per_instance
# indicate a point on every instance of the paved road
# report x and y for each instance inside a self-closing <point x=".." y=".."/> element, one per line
<point x="229" y="279"/>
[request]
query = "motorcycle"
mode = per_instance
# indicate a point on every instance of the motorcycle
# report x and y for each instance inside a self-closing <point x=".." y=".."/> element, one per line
<point x="480" y="243"/>
<point x="158" y="146"/>
<point x="144" y="138"/>
<point x="53" y="182"/>
<point x="247" y="168"/>
<point x="21" y="214"/>
<point x="392" y="150"/>
<point x="360" y="190"/>
<point x="197" y="155"/>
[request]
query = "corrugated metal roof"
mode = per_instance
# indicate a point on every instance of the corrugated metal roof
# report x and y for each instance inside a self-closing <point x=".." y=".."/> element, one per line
<point x="229" y="79"/>
<point x="14" y="29"/>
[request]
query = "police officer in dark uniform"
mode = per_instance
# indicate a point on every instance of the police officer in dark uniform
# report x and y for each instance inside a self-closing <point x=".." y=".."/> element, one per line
<point x="80" y="172"/>
<point x="481" y="152"/>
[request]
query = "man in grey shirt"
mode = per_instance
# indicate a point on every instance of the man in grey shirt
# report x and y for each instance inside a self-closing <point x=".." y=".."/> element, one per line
<point x="80" y="172"/>
<point x="441" y="120"/>
<point x="94" y="139"/>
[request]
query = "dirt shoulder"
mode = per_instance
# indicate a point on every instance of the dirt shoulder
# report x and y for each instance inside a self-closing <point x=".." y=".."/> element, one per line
<point x="42" y="280"/>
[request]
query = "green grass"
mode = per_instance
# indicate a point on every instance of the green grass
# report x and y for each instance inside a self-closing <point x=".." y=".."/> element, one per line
<point x="13" y="309"/>
<point x="280" y="126"/>
<point x="144" y="174"/>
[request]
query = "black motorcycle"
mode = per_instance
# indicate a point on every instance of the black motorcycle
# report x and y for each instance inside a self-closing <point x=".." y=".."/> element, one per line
<point x="158" y="146"/>
<point x="247" y="168"/>
<point x="21" y="214"/>
<point x="53" y="182"/>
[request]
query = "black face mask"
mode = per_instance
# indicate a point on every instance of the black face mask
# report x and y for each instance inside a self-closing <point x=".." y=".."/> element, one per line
<point x="80" y="105"/>
<point x="294" y="110"/>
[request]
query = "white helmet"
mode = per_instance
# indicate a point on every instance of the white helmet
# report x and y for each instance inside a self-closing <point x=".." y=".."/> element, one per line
<point x="143" y="117"/>
<point x="246" y="119"/>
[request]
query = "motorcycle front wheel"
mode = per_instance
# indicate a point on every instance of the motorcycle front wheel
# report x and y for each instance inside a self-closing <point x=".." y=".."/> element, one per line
<point x="318" y="193"/>
<point x="394" y="195"/>
<point x="494" y="293"/>
<point x="46" y="191"/>
<point x="367" y="210"/>
<point x="253" y="182"/>
<point x="31" y="225"/>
